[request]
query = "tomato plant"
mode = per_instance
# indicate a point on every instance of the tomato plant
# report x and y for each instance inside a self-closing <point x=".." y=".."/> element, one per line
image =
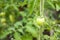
<point x="2" y="14"/>
<point x="40" y="21"/>
<point x="29" y="19"/>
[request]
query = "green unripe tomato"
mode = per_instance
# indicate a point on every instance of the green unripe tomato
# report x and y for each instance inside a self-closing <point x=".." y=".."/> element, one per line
<point x="4" y="24"/>
<point x="2" y="14"/>
<point x="54" y="22"/>
<point x="11" y="17"/>
<point x="40" y="21"/>
<point x="3" y="20"/>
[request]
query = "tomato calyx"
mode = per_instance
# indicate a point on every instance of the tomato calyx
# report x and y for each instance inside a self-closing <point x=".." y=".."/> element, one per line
<point x="40" y="21"/>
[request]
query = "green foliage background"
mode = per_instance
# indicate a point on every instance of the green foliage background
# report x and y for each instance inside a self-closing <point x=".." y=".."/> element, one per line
<point x="24" y="14"/>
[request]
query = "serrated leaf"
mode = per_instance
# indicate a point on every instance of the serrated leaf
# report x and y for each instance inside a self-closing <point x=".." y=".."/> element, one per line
<point x="21" y="30"/>
<point x="17" y="24"/>
<point x="57" y="7"/>
<point x="4" y="34"/>
<point x="27" y="37"/>
<point x="17" y="36"/>
<point x="31" y="30"/>
<point x="51" y="4"/>
<point x="31" y="5"/>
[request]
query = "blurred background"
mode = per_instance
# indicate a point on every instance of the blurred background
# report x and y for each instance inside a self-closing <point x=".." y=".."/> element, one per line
<point x="29" y="19"/>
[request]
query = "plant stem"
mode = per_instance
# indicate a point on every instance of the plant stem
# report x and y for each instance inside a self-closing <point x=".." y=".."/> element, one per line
<point x="41" y="14"/>
<point x="41" y="7"/>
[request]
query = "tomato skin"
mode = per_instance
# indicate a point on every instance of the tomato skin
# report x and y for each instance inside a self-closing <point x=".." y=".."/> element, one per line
<point x="4" y="24"/>
<point x="11" y="17"/>
<point x="3" y="20"/>
<point x="40" y="21"/>
<point x="54" y="22"/>
<point x="2" y="14"/>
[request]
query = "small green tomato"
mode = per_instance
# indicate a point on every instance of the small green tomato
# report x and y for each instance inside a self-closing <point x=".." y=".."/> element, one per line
<point x="3" y="20"/>
<point x="40" y="20"/>
<point x="54" y="22"/>
<point x="2" y="14"/>
<point x="11" y="17"/>
<point x="4" y="24"/>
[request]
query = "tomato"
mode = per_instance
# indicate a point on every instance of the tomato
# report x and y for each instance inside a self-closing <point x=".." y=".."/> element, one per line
<point x="40" y="20"/>
<point x="54" y="22"/>
<point x="3" y="20"/>
<point x="4" y="24"/>
<point x="11" y="17"/>
<point x="2" y="14"/>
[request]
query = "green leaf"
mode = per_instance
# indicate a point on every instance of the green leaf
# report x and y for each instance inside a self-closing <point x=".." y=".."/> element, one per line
<point x="32" y="30"/>
<point x="57" y="7"/>
<point x="51" y="4"/>
<point x="46" y="36"/>
<point x="17" y="24"/>
<point x="17" y="36"/>
<point x="21" y="30"/>
<point x="31" y="5"/>
<point x="27" y="37"/>
<point x="4" y="33"/>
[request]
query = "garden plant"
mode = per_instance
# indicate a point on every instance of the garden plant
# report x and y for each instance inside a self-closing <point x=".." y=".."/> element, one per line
<point x="29" y="19"/>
